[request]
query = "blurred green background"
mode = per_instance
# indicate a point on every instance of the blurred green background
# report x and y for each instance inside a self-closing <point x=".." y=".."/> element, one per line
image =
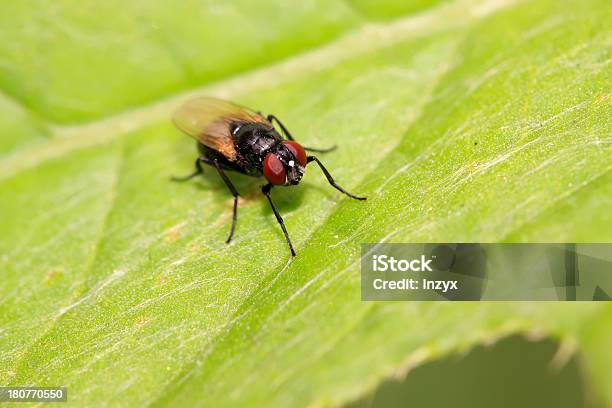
<point x="516" y="372"/>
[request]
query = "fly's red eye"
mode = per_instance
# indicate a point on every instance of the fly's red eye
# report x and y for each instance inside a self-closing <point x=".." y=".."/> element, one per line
<point x="273" y="169"/>
<point x="297" y="150"/>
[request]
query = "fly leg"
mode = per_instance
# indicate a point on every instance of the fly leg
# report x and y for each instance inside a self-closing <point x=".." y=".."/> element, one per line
<point x="288" y="136"/>
<point x="266" y="191"/>
<point x="226" y="180"/>
<point x="198" y="170"/>
<point x="234" y="192"/>
<point x="280" y="124"/>
<point x="331" y="179"/>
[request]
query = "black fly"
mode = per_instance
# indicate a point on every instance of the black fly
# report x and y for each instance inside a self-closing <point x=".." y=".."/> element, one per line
<point x="232" y="137"/>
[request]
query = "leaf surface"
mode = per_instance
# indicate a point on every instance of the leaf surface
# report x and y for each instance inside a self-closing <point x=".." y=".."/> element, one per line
<point x="469" y="121"/>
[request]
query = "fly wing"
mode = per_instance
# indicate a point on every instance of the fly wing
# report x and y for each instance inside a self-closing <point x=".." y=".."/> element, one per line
<point x="209" y="121"/>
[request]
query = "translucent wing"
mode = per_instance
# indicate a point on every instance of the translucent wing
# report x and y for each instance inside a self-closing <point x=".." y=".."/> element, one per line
<point x="209" y="121"/>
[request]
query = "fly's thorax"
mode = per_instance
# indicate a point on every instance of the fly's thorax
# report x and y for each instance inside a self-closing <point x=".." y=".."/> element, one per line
<point x="253" y="141"/>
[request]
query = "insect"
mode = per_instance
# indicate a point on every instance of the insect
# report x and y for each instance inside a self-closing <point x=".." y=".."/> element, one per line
<point x="234" y="138"/>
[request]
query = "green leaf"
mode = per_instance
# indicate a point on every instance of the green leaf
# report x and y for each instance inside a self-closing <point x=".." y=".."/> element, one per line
<point x="469" y="121"/>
